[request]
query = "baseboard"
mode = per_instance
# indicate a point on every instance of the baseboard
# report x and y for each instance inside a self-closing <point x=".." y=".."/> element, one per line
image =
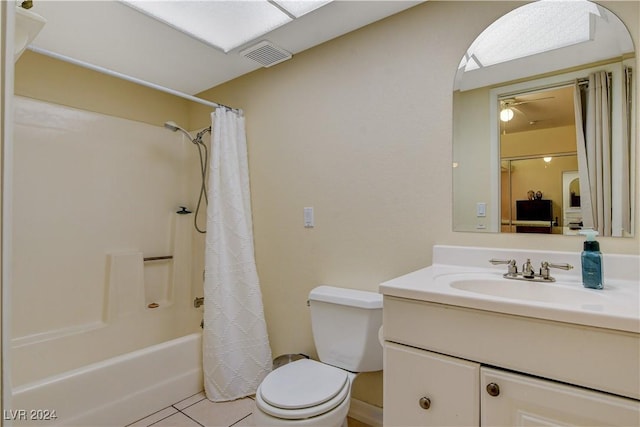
<point x="366" y="413"/>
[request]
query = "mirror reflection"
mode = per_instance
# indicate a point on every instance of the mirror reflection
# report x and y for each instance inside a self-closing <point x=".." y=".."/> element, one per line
<point x="530" y="153"/>
<point x="537" y="146"/>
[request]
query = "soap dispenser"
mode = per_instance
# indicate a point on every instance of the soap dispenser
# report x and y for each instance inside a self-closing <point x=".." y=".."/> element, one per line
<point x="591" y="261"/>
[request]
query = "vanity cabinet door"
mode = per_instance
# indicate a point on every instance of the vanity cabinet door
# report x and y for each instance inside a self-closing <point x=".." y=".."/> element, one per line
<point x="509" y="399"/>
<point x="422" y="388"/>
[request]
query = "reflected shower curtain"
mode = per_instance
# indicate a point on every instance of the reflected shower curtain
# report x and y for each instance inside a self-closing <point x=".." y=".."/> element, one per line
<point x="594" y="154"/>
<point x="626" y="158"/>
<point x="236" y="352"/>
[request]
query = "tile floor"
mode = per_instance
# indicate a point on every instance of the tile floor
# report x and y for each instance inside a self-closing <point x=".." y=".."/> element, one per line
<point x="197" y="411"/>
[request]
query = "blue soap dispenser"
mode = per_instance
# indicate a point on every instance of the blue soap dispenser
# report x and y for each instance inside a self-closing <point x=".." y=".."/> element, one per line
<point x="591" y="261"/>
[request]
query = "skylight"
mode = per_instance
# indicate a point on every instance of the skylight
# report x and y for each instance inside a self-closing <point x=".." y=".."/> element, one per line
<point x="226" y="24"/>
<point x="534" y="28"/>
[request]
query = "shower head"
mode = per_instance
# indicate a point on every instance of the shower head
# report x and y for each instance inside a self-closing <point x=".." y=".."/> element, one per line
<point x="172" y="126"/>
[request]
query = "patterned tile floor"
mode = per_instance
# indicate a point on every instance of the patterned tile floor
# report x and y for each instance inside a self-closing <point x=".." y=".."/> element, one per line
<point x="197" y="411"/>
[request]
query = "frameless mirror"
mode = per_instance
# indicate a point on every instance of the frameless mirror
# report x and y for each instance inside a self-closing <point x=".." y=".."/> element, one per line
<point x="530" y="154"/>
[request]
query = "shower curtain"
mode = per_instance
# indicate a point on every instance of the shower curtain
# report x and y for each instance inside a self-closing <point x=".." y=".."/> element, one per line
<point x="603" y="210"/>
<point x="236" y="351"/>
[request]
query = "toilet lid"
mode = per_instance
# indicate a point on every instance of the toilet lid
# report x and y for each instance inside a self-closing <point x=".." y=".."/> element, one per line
<point x="302" y="384"/>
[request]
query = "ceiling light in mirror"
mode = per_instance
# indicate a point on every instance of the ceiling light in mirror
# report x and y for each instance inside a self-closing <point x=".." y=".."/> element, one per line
<point x="225" y="24"/>
<point x="506" y="114"/>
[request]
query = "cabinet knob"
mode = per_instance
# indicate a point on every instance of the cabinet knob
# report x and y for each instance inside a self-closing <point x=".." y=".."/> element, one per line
<point x="425" y="402"/>
<point x="493" y="389"/>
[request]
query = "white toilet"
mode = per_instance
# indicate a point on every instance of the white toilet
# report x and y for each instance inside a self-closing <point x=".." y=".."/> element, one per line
<point x="345" y="325"/>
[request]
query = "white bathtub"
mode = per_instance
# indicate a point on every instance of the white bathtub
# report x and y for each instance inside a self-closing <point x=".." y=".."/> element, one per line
<point x="116" y="391"/>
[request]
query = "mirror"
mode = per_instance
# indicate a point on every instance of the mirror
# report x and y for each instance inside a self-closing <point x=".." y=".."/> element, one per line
<point x="522" y="105"/>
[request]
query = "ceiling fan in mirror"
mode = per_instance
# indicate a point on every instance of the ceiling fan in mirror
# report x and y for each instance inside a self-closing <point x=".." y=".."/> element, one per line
<point x="516" y="108"/>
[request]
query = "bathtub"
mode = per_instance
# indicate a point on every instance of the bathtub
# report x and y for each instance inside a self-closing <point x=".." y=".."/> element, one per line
<point x="113" y="392"/>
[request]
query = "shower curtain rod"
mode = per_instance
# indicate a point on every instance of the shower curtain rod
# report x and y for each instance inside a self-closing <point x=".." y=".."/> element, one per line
<point x="128" y="78"/>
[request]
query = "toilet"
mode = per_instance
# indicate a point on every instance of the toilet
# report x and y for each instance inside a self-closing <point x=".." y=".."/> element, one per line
<point x="345" y="324"/>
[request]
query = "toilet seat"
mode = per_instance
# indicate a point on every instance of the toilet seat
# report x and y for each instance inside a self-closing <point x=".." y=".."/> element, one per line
<point x="302" y="389"/>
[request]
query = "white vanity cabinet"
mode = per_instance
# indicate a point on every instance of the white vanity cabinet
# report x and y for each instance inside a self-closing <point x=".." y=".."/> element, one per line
<point x="481" y="368"/>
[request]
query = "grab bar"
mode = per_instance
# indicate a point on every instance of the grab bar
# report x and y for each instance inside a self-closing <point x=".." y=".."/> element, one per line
<point x="157" y="258"/>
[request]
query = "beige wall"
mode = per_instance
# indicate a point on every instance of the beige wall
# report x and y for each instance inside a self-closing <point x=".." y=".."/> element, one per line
<point x="540" y="142"/>
<point x="48" y="79"/>
<point x="3" y="132"/>
<point x="472" y="156"/>
<point x="360" y="128"/>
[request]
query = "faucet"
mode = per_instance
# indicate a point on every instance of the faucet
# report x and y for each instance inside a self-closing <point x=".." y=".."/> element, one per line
<point x="528" y="273"/>
<point x="527" y="270"/>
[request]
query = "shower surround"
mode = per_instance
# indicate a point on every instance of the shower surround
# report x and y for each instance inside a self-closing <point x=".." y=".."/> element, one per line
<point x="93" y="196"/>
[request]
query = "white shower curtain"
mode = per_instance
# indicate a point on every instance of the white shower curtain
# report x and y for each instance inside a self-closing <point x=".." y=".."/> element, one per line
<point x="236" y="352"/>
<point x="595" y="155"/>
<point x="588" y="220"/>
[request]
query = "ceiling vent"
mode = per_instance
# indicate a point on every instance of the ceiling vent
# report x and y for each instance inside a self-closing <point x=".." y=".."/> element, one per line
<point x="266" y="53"/>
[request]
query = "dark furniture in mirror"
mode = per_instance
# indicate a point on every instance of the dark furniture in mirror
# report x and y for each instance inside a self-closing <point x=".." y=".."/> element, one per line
<point x="536" y="216"/>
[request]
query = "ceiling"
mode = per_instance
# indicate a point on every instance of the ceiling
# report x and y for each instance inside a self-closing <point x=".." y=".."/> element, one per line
<point x="540" y="110"/>
<point x="113" y="36"/>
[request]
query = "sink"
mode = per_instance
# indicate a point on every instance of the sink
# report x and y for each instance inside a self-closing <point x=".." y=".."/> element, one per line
<point x="550" y="292"/>
<point x="462" y="277"/>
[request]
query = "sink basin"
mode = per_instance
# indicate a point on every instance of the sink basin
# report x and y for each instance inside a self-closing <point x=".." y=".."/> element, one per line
<point x="531" y="291"/>
<point x="460" y="277"/>
<point x="617" y="306"/>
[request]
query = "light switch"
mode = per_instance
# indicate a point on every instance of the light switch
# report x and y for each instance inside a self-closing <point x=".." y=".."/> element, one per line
<point x="308" y="217"/>
<point x="481" y="209"/>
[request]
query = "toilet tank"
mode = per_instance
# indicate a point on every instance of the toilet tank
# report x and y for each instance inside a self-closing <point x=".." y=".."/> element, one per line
<point x="345" y="325"/>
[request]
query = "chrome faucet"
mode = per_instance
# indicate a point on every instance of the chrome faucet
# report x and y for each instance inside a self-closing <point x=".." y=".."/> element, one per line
<point x="528" y="273"/>
<point x="527" y="270"/>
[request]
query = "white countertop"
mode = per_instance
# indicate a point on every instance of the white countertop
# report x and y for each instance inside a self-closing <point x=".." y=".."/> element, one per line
<point x="617" y="306"/>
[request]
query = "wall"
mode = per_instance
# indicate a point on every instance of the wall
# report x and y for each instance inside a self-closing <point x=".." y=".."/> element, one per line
<point x="541" y="142"/>
<point x="360" y="128"/>
<point x="48" y="79"/>
<point x="6" y="76"/>
<point x="472" y="158"/>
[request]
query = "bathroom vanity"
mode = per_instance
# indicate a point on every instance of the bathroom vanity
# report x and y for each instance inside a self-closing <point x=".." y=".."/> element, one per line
<point x="466" y="346"/>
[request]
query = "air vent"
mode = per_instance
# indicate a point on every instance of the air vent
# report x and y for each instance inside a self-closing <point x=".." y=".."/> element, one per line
<point x="266" y="53"/>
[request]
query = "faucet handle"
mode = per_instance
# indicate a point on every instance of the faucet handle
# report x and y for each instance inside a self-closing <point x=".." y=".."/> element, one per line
<point x="513" y="268"/>
<point x="560" y="266"/>
<point x="502" y="261"/>
<point x="545" y="266"/>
